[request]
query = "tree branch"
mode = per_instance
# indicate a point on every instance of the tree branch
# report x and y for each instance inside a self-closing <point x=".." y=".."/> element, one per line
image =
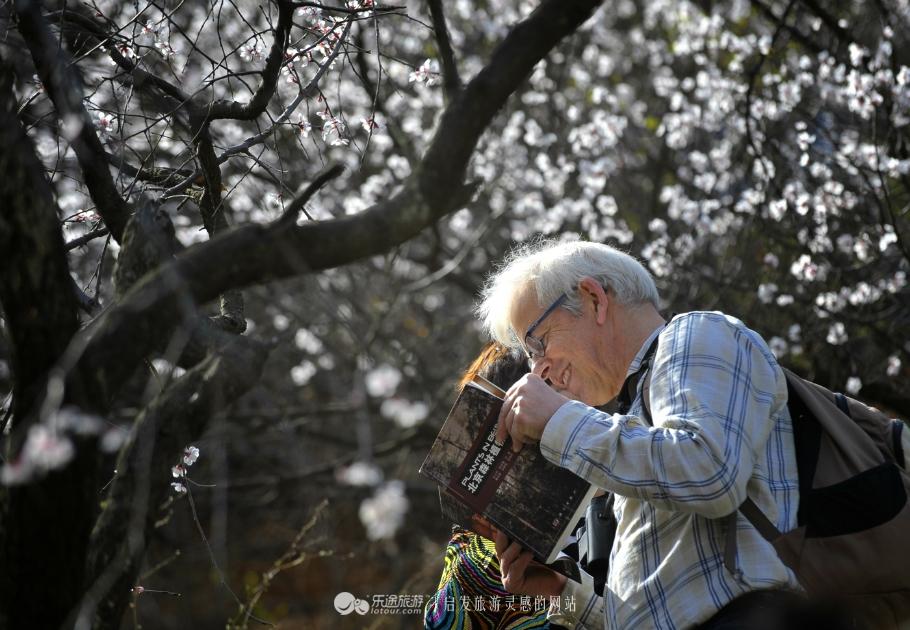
<point x="265" y="91"/>
<point x="40" y="306"/>
<point x="176" y="418"/>
<point x="293" y="210"/>
<point x="254" y="254"/>
<point x="40" y="310"/>
<point x="451" y="82"/>
<point x="65" y="91"/>
<point x="86" y="238"/>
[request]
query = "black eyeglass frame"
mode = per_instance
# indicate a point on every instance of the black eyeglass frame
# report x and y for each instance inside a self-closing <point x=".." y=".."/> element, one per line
<point x="535" y="348"/>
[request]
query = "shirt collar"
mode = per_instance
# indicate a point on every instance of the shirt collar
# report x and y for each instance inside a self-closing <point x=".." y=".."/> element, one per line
<point x="636" y="362"/>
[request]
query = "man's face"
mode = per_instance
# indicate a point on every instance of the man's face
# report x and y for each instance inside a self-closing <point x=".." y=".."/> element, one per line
<point x="577" y="361"/>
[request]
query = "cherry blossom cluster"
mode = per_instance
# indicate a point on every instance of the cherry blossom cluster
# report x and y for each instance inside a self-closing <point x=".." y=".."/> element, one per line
<point x="179" y="470"/>
<point x="51" y="444"/>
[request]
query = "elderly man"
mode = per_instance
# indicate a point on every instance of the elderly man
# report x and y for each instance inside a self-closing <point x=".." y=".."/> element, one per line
<point x="587" y="316"/>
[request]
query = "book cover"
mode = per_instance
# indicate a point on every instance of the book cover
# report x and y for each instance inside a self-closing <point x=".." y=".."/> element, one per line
<point x="531" y="500"/>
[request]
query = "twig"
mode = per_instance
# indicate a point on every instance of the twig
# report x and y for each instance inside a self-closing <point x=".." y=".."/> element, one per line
<point x="289" y="559"/>
<point x="451" y="82"/>
<point x="290" y="214"/>
<point x="208" y="547"/>
<point x="85" y="238"/>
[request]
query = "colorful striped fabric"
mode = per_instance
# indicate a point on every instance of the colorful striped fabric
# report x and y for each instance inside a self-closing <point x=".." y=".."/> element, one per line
<point x="470" y="594"/>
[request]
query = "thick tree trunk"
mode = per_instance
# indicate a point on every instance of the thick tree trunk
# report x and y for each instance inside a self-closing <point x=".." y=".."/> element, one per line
<point x="44" y="526"/>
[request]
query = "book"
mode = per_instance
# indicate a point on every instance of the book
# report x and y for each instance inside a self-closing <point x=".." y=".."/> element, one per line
<point x="531" y="500"/>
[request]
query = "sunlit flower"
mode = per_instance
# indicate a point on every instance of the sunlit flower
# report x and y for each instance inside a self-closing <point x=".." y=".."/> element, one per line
<point x="359" y="473"/>
<point x="837" y="334"/>
<point x="332" y="131"/>
<point x="105" y="124"/>
<point x="303" y="126"/>
<point x="382" y="381"/>
<point x="252" y="51"/>
<point x="383" y="513"/>
<point x="854" y="384"/>
<point x="190" y="455"/>
<point x="370" y="123"/>
<point x="403" y="412"/>
<point x="164" y="48"/>
<point x="303" y="372"/>
<point x="427" y="72"/>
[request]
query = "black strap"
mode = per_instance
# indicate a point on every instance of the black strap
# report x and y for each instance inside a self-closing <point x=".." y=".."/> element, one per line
<point x="897" y="427"/>
<point x="758" y="519"/>
<point x="807" y="440"/>
<point x="630" y="386"/>
<point x="841" y="402"/>
<point x="749" y="509"/>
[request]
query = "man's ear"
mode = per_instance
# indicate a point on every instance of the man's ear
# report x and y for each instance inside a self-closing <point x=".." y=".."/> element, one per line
<point x="592" y="292"/>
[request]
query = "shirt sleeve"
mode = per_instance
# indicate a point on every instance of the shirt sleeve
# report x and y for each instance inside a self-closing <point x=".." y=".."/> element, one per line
<point x="715" y="389"/>
<point x="580" y="608"/>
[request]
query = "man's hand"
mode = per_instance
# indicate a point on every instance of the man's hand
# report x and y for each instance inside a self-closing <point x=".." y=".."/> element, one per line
<point x="521" y="575"/>
<point x="527" y="408"/>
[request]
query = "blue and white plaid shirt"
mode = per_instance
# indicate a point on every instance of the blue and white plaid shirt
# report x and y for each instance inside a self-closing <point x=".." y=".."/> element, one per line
<point x="721" y="431"/>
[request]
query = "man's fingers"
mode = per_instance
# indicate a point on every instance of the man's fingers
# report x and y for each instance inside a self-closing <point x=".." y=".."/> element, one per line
<point x="513" y="551"/>
<point x="520" y="564"/>
<point x="505" y="421"/>
<point x="501" y="542"/>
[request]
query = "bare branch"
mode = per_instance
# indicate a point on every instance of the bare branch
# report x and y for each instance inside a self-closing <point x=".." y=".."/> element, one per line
<point x="174" y="419"/>
<point x="451" y="82"/>
<point x="65" y="90"/>
<point x="323" y="7"/>
<point x="323" y="178"/>
<point x="86" y="238"/>
<point x="266" y="89"/>
<point x="253" y="253"/>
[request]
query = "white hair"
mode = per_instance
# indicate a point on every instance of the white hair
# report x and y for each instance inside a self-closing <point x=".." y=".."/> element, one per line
<point x="553" y="268"/>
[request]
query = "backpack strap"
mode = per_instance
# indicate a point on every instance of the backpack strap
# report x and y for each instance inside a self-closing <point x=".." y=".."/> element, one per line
<point x="897" y="428"/>
<point x="749" y="509"/>
<point x="841" y="402"/>
<point x="630" y="386"/>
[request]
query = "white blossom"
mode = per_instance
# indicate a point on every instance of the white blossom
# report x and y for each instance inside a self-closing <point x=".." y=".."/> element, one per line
<point x="854" y="384"/>
<point x="307" y="341"/>
<point x="252" y="51"/>
<point x="383" y="513"/>
<point x="766" y="292"/>
<point x="405" y="413"/>
<point x="190" y="455"/>
<point x="303" y="372"/>
<point x="837" y="334"/>
<point x="44" y="450"/>
<point x="280" y="321"/>
<point x="332" y="131"/>
<point x="778" y="346"/>
<point x="382" y="381"/>
<point x="359" y="473"/>
<point x="427" y="72"/>
<point x="104" y="123"/>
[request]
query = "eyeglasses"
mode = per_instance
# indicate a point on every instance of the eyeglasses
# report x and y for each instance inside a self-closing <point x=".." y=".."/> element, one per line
<point x="535" y="348"/>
